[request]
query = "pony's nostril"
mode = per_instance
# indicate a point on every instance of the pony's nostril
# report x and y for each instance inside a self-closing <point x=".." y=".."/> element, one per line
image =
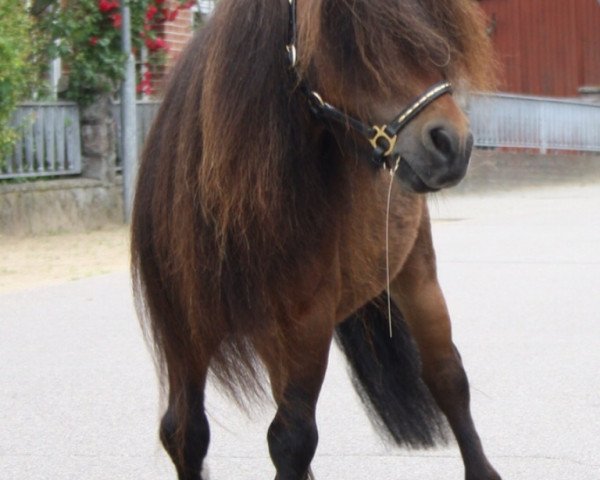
<point x="443" y="142"/>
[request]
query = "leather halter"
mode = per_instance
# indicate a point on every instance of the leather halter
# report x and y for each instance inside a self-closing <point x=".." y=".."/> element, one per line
<point x="381" y="137"/>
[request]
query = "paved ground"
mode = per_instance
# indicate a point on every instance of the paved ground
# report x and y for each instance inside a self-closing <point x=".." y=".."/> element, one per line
<point x="521" y="272"/>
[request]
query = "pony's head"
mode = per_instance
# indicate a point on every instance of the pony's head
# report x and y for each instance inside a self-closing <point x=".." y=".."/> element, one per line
<point x="263" y="164"/>
<point x="372" y="58"/>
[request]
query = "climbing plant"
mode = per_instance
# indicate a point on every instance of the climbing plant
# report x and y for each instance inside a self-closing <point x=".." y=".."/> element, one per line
<point x="16" y="67"/>
<point x="86" y="34"/>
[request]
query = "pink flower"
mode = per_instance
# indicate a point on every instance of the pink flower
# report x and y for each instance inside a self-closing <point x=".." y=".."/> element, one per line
<point x="106" y="6"/>
<point x="172" y="15"/>
<point x="116" y="20"/>
<point x="155" y="44"/>
<point x="161" y="43"/>
<point x="145" y="85"/>
<point x="144" y="88"/>
<point x="151" y="12"/>
<point x="94" y="41"/>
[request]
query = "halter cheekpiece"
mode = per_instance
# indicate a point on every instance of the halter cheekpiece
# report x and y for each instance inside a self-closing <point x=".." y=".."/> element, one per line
<point x="381" y="137"/>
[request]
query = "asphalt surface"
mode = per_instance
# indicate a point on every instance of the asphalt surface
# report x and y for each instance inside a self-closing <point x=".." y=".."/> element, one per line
<point x="521" y="273"/>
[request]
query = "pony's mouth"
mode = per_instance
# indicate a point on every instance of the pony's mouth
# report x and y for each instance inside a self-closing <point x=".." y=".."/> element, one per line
<point x="411" y="179"/>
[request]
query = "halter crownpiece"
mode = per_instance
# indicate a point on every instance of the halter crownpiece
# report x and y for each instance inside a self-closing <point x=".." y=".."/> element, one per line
<point x="381" y="137"/>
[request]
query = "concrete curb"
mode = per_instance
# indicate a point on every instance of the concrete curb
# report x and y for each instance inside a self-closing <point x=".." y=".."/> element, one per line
<point x="65" y="205"/>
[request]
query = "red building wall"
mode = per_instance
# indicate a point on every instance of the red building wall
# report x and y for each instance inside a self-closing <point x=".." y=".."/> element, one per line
<point x="177" y="33"/>
<point x="546" y="47"/>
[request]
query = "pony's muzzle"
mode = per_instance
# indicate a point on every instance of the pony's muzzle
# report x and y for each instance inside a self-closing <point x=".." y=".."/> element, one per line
<point x="446" y="155"/>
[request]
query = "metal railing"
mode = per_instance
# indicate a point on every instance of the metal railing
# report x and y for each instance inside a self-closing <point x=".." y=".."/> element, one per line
<point x="48" y="141"/>
<point x="518" y="121"/>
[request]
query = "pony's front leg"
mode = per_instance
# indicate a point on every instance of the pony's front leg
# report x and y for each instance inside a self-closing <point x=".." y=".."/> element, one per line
<point x="296" y="381"/>
<point x="417" y="292"/>
<point x="184" y="430"/>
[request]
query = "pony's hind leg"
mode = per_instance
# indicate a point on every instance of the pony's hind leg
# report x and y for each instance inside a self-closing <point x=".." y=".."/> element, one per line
<point x="417" y="292"/>
<point x="296" y="382"/>
<point x="184" y="431"/>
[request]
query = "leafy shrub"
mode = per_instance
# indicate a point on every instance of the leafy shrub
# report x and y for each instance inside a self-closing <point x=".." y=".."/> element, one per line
<point x="16" y="67"/>
<point x="87" y="36"/>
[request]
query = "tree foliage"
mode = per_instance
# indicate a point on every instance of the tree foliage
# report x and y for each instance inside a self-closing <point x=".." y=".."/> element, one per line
<point x="16" y="66"/>
<point x="87" y="36"/>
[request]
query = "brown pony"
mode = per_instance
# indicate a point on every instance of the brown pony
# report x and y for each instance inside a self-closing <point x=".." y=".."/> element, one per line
<point x="259" y="226"/>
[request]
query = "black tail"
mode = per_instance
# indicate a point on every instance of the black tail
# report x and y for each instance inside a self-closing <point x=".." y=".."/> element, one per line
<point x="386" y="373"/>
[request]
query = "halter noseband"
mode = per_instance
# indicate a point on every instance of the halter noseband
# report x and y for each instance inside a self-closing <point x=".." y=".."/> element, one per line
<point x="381" y="137"/>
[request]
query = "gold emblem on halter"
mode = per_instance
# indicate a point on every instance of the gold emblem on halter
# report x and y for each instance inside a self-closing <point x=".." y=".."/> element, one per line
<point x="380" y="133"/>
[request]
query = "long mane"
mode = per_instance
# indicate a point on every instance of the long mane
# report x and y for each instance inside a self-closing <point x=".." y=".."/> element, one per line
<point x="379" y="48"/>
<point x="238" y="185"/>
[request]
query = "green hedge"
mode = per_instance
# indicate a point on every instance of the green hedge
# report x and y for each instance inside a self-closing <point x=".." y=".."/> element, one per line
<point x="16" y="68"/>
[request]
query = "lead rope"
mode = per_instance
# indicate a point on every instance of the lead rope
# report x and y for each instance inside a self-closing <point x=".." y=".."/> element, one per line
<point x="387" y="240"/>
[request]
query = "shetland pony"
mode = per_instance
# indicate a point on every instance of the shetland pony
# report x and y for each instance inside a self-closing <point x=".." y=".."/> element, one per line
<point x="271" y="217"/>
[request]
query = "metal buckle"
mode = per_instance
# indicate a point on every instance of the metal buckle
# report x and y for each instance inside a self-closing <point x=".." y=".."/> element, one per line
<point x="291" y="49"/>
<point x="315" y="103"/>
<point x="316" y="98"/>
<point x="379" y="134"/>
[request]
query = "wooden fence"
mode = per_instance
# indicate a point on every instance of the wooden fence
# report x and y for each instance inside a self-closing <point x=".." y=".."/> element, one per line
<point x="48" y="141"/>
